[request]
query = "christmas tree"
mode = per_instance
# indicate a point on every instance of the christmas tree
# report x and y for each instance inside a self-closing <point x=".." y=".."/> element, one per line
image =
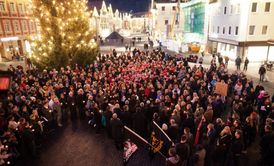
<point x="65" y="34"/>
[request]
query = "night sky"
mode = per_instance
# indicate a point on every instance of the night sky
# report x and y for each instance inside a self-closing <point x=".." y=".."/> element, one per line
<point x="125" y="5"/>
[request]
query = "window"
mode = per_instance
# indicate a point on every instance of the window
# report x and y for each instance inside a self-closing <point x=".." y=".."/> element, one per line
<point x="32" y="28"/>
<point x="2" y="6"/>
<point x="224" y="10"/>
<point x="24" y="25"/>
<point x="174" y="8"/>
<point x="238" y="8"/>
<point x="254" y="7"/>
<point x="12" y="7"/>
<point x="177" y="22"/>
<point x="267" y="7"/>
<point x="16" y="26"/>
<point x="236" y="30"/>
<point x="163" y="8"/>
<point x="231" y="9"/>
<point x="21" y="8"/>
<point x="166" y="22"/>
<point x="229" y="30"/>
<point x="213" y="29"/>
<point x="264" y="29"/>
<point x="231" y="47"/>
<point x="218" y="29"/>
<point x="251" y="29"/>
<point x="7" y="26"/>
<point x="223" y="30"/>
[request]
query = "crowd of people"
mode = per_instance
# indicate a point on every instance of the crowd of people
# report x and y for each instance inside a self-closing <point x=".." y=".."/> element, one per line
<point x="133" y="89"/>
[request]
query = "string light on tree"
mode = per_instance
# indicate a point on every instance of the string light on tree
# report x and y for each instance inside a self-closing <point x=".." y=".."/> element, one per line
<point x="65" y="33"/>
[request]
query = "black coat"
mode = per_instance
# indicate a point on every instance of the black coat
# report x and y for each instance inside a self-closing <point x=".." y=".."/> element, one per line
<point x="126" y="118"/>
<point x="116" y="129"/>
<point x="139" y="123"/>
<point x="183" y="150"/>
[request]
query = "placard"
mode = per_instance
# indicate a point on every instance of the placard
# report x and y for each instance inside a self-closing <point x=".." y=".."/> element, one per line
<point x="221" y="88"/>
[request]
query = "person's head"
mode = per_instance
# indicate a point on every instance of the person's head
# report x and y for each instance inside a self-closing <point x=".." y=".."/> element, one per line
<point x="226" y="130"/>
<point x="186" y="130"/>
<point x="183" y="138"/>
<point x="172" y="122"/>
<point x="114" y="116"/>
<point x="210" y="127"/>
<point x="172" y="152"/>
<point x="164" y="127"/>
<point x="267" y="128"/>
<point x="238" y="134"/>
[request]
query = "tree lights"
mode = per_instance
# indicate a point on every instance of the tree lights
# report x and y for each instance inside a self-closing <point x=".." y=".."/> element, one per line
<point x="65" y="35"/>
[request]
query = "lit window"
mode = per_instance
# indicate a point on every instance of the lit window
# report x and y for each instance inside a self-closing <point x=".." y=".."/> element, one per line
<point x="16" y="26"/>
<point x="7" y="26"/>
<point x="32" y="28"/>
<point x="24" y="25"/>
<point x="21" y="8"/>
<point x="264" y="30"/>
<point x="251" y="29"/>
<point x="2" y="6"/>
<point x="267" y="7"/>
<point x="254" y="7"/>
<point x="12" y="7"/>
<point x="236" y="30"/>
<point x="238" y="8"/>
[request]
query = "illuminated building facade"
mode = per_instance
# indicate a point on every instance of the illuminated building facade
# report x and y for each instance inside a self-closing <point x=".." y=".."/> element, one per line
<point x="167" y="20"/>
<point x="195" y="21"/>
<point x="106" y="21"/>
<point x="16" y="27"/>
<point x="242" y="28"/>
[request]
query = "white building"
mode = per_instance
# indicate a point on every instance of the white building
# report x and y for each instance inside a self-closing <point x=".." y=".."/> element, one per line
<point x="105" y="21"/>
<point x="242" y="28"/>
<point x="167" y="20"/>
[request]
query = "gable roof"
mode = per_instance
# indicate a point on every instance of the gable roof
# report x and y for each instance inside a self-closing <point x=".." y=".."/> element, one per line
<point x="114" y="35"/>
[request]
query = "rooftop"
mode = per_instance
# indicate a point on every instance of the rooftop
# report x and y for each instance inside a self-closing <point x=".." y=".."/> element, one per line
<point x="170" y="1"/>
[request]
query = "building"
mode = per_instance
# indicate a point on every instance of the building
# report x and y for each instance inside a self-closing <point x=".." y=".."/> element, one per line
<point x="195" y="21"/>
<point x="242" y="28"/>
<point x="16" y="27"/>
<point x="167" y="21"/>
<point x="106" y="21"/>
<point x="140" y="22"/>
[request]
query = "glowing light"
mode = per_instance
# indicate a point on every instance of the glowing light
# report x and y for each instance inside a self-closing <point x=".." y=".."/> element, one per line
<point x="9" y="39"/>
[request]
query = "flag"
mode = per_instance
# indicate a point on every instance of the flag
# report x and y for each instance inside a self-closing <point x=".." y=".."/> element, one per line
<point x="135" y="138"/>
<point x="133" y="141"/>
<point x="159" y="140"/>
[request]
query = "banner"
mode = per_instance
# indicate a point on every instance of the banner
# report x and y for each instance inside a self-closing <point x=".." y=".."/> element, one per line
<point x="221" y="88"/>
<point x="135" y="138"/>
<point x="132" y="143"/>
<point x="159" y="140"/>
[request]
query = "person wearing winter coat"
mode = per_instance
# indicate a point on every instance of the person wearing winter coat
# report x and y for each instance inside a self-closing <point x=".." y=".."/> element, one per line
<point x="173" y="159"/>
<point x="117" y="131"/>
